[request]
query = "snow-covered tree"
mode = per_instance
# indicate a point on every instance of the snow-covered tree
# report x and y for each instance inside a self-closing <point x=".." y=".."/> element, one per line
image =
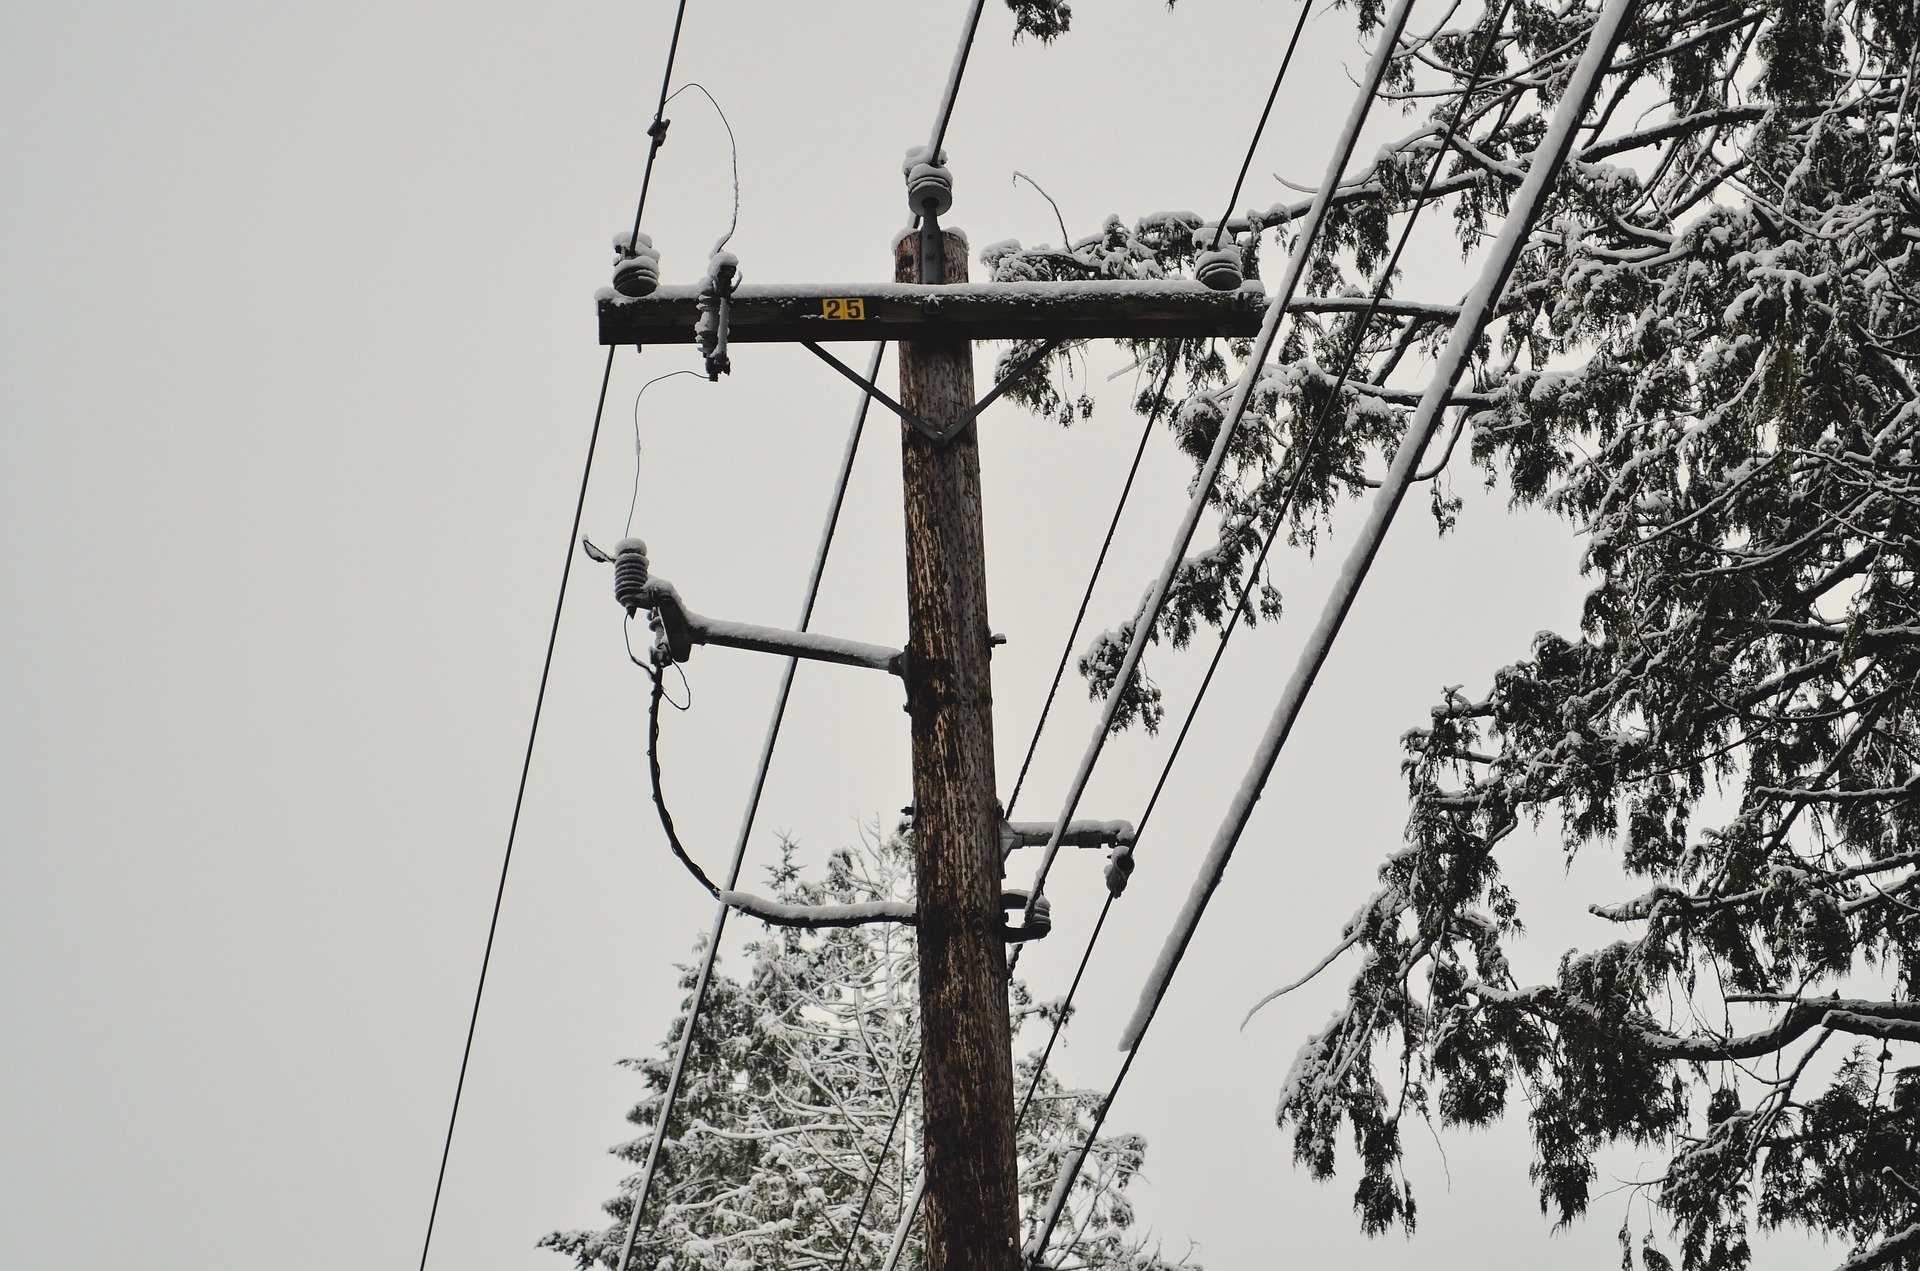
<point x="795" y="1078"/>
<point x="1706" y="363"/>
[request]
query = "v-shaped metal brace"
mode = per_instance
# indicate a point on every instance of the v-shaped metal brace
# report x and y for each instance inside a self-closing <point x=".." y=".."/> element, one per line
<point x="954" y="429"/>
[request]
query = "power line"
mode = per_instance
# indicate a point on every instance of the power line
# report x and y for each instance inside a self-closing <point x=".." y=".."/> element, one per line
<point x="1475" y="312"/>
<point x="519" y="802"/>
<point x="1066" y="653"/>
<point x="944" y="115"/>
<point x="719" y="926"/>
<point x="1548" y="159"/>
<point x="658" y="133"/>
<point x="657" y="130"/>
<point x="1149" y="615"/>
<point x="1306" y="7"/>
<point x="1086" y="597"/>
<point x="1322" y="418"/>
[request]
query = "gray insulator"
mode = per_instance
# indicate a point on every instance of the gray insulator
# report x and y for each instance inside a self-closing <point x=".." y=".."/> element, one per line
<point x="1038" y="920"/>
<point x="637" y="275"/>
<point x="929" y="190"/>
<point x="630" y="574"/>
<point x="1220" y="270"/>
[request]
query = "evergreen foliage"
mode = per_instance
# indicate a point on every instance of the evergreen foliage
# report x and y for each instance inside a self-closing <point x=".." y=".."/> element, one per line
<point x="793" y="1082"/>
<point x="1705" y="363"/>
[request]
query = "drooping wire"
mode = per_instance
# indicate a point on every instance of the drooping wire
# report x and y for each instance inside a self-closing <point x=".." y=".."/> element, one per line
<point x="733" y="147"/>
<point x="519" y="803"/>
<point x="633" y="502"/>
<point x="1293" y="41"/>
<point x="671" y="1096"/>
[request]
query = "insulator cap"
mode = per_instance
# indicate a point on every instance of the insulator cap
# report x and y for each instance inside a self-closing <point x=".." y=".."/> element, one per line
<point x="929" y="190"/>
<point x="630" y="574"/>
<point x="1221" y="270"/>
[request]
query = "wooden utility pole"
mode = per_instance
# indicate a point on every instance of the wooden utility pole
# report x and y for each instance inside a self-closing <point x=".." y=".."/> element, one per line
<point x="970" y="1173"/>
<point x="966" y="1048"/>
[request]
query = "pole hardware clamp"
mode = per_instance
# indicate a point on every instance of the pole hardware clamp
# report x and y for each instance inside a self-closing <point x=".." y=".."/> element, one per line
<point x="677" y="628"/>
<point x="716" y="300"/>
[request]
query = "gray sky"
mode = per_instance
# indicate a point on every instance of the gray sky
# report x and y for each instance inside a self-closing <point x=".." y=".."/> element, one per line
<point x="299" y="370"/>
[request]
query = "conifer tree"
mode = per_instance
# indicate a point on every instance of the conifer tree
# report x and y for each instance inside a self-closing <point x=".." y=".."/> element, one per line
<point x="1705" y="363"/>
<point x="795" y="1078"/>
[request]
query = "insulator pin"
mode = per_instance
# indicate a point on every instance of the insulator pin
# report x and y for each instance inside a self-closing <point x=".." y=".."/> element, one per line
<point x="630" y="575"/>
<point x="636" y="265"/>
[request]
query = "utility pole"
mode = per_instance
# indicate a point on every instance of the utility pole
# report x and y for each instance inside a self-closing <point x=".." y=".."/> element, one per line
<point x="970" y="1176"/>
<point x="966" y="1048"/>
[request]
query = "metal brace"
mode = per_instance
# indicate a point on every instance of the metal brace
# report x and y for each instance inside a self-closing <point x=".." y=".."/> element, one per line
<point x="941" y="435"/>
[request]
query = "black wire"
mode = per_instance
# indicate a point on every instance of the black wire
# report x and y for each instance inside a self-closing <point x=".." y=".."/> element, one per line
<point x="873" y="1175"/>
<point x="1280" y="518"/>
<point x="953" y="82"/>
<point x="519" y="801"/>
<point x="657" y="131"/>
<point x="1306" y="7"/>
<point x="1066" y="652"/>
<point x="660" y="799"/>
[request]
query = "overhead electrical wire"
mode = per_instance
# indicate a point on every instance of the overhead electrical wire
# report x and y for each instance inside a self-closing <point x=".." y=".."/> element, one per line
<point x="1548" y="159"/>
<point x="519" y="802"/>
<point x="1293" y="42"/>
<point x="781" y="697"/>
<point x="1281" y="514"/>
<point x="657" y="132"/>
<point x="1150" y="613"/>
<point x="1149" y="616"/>
<point x="1093" y="578"/>
<point x="944" y="115"/>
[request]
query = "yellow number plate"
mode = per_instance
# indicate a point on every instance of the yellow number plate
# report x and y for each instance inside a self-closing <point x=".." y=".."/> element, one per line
<point x="843" y="308"/>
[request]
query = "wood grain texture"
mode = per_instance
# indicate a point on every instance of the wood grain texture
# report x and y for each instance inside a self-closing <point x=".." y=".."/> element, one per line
<point x="972" y="1197"/>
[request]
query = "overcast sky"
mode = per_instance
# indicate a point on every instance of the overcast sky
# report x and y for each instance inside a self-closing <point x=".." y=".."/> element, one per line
<point x="300" y="367"/>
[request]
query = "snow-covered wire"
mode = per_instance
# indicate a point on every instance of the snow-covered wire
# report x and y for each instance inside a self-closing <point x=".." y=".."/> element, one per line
<point x="519" y="802"/>
<point x="944" y="115"/>
<point x="785" y="692"/>
<point x="1476" y="311"/>
<point x="1303" y="249"/>
<point x="733" y="147"/>
<point x="1547" y="161"/>
<point x="1323" y="417"/>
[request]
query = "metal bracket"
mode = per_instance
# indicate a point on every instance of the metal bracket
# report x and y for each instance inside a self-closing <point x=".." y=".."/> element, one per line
<point x="677" y="628"/>
<point x="954" y="429"/>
